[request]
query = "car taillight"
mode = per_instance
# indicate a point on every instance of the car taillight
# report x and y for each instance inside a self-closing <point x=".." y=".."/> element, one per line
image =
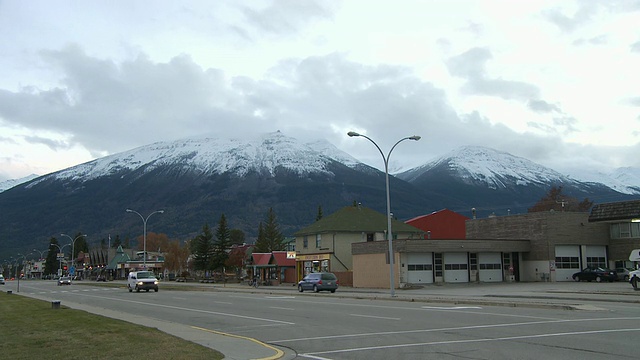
<point x="319" y="282"/>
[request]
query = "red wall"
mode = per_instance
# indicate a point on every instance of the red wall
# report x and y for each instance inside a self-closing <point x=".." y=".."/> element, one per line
<point x="443" y="225"/>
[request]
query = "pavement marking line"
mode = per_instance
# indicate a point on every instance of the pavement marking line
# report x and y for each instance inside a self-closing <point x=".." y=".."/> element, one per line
<point x="450" y="307"/>
<point x="280" y="297"/>
<point x="472" y="327"/>
<point x="375" y="317"/>
<point x="278" y="355"/>
<point x="468" y="341"/>
<point x="194" y="310"/>
<point x="281" y="308"/>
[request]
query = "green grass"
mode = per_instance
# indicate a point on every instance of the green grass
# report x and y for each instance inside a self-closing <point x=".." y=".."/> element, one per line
<point x="31" y="329"/>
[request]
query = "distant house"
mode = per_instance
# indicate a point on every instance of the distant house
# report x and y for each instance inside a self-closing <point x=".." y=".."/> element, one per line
<point x="326" y="244"/>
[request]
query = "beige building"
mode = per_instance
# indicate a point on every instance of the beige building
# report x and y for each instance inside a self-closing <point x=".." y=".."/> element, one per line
<point x="326" y="244"/>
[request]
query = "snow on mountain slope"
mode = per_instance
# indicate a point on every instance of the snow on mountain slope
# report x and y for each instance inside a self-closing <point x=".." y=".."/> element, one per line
<point x="489" y="166"/>
<point x="215" y="155"/>
<point x="8" y="184"/>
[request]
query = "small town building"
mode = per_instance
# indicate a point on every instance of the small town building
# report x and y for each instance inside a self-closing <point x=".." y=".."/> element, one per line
<point x="326" y="245"/>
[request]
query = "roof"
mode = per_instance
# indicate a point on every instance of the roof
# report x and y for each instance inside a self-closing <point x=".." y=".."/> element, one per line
<point x="119" y="258"/>
<point x="281" y="259"/>
<point x="261" y="259"/>
<point x="437" y="214"/>
<point x="356" y="219"/>
<point x="623" y="210"/>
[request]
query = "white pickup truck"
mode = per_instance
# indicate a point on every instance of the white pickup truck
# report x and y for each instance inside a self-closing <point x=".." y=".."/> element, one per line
<point x="634" y="276"/>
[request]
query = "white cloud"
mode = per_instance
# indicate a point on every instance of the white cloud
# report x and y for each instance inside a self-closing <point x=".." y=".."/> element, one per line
<point x="553" y="82"/>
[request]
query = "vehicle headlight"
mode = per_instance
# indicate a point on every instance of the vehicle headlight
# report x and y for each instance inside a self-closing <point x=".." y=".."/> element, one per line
<point x="139" y="283"/>
<point x="155" y="282"/>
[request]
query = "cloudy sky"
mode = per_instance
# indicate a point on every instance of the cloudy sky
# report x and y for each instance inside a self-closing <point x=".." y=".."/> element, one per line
<point x="556" y="82"/>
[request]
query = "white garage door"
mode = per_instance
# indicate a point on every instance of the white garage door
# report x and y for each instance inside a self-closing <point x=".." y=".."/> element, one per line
<point x="567" y="262"/>
<point x="490" y="267"/>
<point x="596" y="255"/>
<point x="420" y="268"/>
<point x="456" y="267"/>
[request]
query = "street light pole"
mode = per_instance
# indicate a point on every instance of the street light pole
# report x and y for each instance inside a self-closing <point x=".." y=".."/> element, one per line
<point x="386" y="172"/>
<point x="144" y="233"/>
<point x="59" y="259"/>
<point x="73" y="247"/>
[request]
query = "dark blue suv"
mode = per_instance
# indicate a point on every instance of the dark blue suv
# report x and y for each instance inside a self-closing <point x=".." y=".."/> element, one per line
<point x="322" y="281"/>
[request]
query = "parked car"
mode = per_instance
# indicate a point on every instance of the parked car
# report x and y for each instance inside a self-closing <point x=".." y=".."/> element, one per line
<point x="595" y="273"/>
<point x="322" y="281"/>
<point x="65" y="280"/>
<point x="623" y="273"/>
<point x="1" y="280"/>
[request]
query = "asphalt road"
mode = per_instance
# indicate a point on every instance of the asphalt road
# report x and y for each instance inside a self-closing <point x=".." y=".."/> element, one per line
<point x="326" y="326"/>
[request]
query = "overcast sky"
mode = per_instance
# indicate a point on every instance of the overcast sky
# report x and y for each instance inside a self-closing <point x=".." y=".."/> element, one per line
<point x="557" y="82"/>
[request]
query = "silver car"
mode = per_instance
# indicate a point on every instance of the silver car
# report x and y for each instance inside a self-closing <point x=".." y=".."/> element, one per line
<point x="322" y="281"/>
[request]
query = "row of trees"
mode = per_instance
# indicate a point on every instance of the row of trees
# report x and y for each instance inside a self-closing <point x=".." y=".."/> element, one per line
<point x="210" y="250"/>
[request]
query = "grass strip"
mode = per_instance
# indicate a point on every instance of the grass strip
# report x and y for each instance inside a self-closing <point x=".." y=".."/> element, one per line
<point x="32" y="329"/>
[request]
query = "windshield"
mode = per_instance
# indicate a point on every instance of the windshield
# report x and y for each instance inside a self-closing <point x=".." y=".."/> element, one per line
<point x="145" y="275"/>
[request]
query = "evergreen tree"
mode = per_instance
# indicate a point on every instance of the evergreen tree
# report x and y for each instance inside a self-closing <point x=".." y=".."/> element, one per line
<point x="237" y="236"/>
<point x="271" y="238"/>
<point x="221" y="244"/>
<point x="202" y="249"/>
<point x="116" y="242"/>
<point x="51" y="265"/>
<point x="319" y="216"/>
<point x="80" y="245"/>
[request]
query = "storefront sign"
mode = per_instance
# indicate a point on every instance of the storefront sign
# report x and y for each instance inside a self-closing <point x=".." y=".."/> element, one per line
<point x="313" y="257"/>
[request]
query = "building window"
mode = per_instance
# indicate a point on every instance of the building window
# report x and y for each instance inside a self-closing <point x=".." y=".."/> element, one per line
<point x="473" y="261"/>
<point x="370" y="236"/>
<point x="437" y="258"/>
<point x="420" y="267"/>
<point x="625" y="230"/>
<point x="305" y="242"/>
<point x="506" y="260"/>
<point x="318" y="241"/>
<point x="567" y="262"/>
<point x="597" y="261"/>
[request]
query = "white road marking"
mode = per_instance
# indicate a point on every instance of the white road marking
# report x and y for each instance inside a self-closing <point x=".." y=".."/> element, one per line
<point x="281" y="308"/>
<point x="468" y="341"/>
<point x="451" y="307"/>
<point x="375" y="317"/>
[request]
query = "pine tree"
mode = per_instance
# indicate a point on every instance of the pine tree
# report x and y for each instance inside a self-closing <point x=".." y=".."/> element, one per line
<point x="236" y="236"/>
<point x="221" y="244"/>
<point x="319" y="216"/>
<point x="271" y="239"/>
<point x="202" y="249"/>
<point x="51" y="265"/>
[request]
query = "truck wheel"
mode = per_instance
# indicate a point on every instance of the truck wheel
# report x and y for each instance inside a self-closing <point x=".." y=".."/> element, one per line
<point x="130" y="290"/>
<point x="634" y="283"/>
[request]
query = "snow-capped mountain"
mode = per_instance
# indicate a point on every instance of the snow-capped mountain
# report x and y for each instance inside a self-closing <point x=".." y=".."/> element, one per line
<point x="8" y="184"/>
<point x="196" y="180"/>
<point x="265" y="153"/>
<point x="495" y="169"/>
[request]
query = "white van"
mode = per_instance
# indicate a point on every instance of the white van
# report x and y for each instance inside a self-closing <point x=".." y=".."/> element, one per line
<point x="142" y="280"/>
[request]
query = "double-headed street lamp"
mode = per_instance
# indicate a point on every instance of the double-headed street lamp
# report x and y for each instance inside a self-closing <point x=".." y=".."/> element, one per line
<point x="144" y="233"/>
<point x="73" y="247"/>
<point x="59" y="258"/>
<point x="386" y="172"/>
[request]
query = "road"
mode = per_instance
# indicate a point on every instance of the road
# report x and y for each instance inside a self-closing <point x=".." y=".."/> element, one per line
<point x="326" y="326"/>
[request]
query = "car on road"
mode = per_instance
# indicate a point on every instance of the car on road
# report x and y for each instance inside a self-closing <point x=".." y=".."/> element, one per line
<point x="65" y="280"/>
<point x="623" y="273"/>
<point x="321" y="281"/>
<point x="1" y="279"/>
<point x="598" y="274"/>
<point x="142" y="280"/>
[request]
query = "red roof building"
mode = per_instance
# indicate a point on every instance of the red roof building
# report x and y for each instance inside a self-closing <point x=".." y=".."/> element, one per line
<point x="441" y="225"/>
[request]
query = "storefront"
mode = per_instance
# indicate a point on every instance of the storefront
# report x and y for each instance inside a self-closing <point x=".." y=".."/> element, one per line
<point x="306" y="264"/>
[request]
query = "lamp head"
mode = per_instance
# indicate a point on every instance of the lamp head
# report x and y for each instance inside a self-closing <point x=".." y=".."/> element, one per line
<point x="353" y="133"/>
<point x="415" y="137"/>
<point x="129" y="210"/>
<point x="161" y="211"/>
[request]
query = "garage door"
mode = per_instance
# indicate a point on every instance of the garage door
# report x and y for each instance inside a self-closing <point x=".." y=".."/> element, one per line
<point x="456" y="267"/>
<point x="490" y="267"/>
<point x="596" y="256"/>
<point x="420" y="268"/>
<point x="567" y="262"/>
